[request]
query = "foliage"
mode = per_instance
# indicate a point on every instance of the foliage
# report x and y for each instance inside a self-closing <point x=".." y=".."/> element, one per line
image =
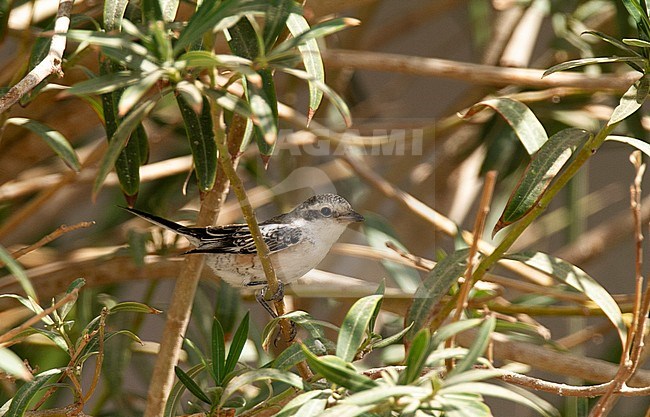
<point x="219" y="73"/>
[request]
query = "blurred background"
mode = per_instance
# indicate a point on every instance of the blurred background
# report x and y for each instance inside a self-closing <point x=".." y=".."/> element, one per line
<point x="406" y="72"/>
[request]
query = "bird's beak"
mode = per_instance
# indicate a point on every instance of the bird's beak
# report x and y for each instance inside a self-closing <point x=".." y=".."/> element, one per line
<point x="352" y="216"/>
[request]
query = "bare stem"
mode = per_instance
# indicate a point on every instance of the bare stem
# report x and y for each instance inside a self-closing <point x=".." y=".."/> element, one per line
<point x="51" y="64"/>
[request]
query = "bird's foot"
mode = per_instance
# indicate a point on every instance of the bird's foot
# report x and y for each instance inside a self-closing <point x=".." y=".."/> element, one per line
<point x="260" y="296"/>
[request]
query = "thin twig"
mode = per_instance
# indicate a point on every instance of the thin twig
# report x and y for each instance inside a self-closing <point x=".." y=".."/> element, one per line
<point x="60" y="231"/>
<point x="479" y="226"/>
<point x="51" y="64"/>
<point x="632" y="346"/>
<point x="72" y="295"/>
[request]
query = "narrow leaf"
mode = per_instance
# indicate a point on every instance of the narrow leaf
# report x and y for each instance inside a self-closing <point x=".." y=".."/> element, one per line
<point x="293" y="354"/>
<point x="277" y="14"/>
<point x="631" y="101"/>
<point x="637" y="143"/>
<point x="354" y="327"/>
<point x="53" y="138"/>
<point x="546" y="164"/>
<point x="290" y="408"/>
<point x="27" y="392"/>
<point x="478" y="347"/>
<point x="250" y="377"/>
<point x="578" y="279"/>
<point x="133" y="307"/>
<point x="417" y="357"/>
<point x="201" y="139"/>
<point x="105" y="83"/>
<point x="331" y="95"/>
<point x="591" y="61"/>
<point x="433" y="288"/>
<point x="237" y="345"/>
<point x="523" y="121"/>
<point x="12" y="365"/>
<point x="114" y="13"/>
<point x="191" y="385"/>
<point x="612" y="41"/>
<point x="311" y="59"/>
<point x="264" y="106"/>
<point x="178" y="389"/>
<point x="135" y="92"/>
<point x="337" y="371"/>
<point x="119" y="139"/>
<point x="218" y="351"/>
<point x="18" y="272"/>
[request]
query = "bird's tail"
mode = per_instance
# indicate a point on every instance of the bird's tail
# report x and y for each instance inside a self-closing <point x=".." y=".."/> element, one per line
<point x="164" y="223"/>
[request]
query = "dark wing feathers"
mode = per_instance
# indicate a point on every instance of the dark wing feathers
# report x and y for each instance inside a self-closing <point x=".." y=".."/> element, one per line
<point x="238" y="239"/>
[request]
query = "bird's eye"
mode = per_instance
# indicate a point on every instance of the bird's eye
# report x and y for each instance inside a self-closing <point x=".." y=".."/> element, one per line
<point x="326" y="211"/>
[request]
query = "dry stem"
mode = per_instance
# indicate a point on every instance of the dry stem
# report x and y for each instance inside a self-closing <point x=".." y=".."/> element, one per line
<point x="51" y="64"/>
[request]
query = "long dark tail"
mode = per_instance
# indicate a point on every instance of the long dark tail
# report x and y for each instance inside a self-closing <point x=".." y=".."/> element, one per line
<point x="167" y="224"/>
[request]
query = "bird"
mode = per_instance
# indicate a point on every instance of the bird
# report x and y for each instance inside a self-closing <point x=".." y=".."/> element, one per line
<point x="297" y="240"/>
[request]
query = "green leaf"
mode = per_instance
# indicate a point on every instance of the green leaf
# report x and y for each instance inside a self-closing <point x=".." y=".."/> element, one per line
<point x="378" y="232"/>
<point x="478" y="347"/>
<point x="640" y="16"/>
<point x="191" y="385"/>
<point x="334" y="98"/>
<point x="337" y="371"/>
<point x="546" y="164"/>
<point x="301" y="399"/>
<point x="231" y="102"/>
<point x="637" y="42"/>
<point x="264" y="106"/>
<point x="637" y="143"/>
<point x="481" y="388"/>
<point x="277" y="13"/>
<point x="218" y="352"/>
<point x="304" y="320"/>
<point x="380" y="394"/>
<point x="151" y="10"/>
<point x="451" y="329"/>
<point x="348" y="410"/>
<point x="523" y="121"/>
<point x="255" y="375"/>
<point x="591" y="61"/>
<point x="169" y="9"/>
<point x="18" y="272"/>
<point x="433" y="288"/>
<point x="311" y="59"/>
<point x="293" y="354"/>
<point x="237" y="345"/>
<point x="212" y="15"/>
<point x="119" y="140"/>
<point x="317" y="31"/>
<point x="612" y="41"/>
<point x="200" y="135"/>
<point x="178" y="389"/>
<point x="244" y="40"/>
<point x="578" y="279"/>
<point x="631" y="101"/>
<point x="392" y="339"/>
<point x="27" y="392"/>
<point x="132" y="94"/>
<point x="75" y="285"/>
<point x="133" y="307"/>
<point x="114" y="13"/>
<point x="354" y="327"/>
<point x="11" y="364"/>
<point x="417" y="356"/>
<point x="53" y="138"/>
<point x="105" y="83"/>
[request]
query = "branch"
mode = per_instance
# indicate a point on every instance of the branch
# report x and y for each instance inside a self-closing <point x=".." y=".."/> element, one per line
<point x="473" y="73"/>
<point x="51" y="64"/>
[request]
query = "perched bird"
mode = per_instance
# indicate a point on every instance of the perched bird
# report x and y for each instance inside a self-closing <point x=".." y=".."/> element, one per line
<point x="297" y="241"/>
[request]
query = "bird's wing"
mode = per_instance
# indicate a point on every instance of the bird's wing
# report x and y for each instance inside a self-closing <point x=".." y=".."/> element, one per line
<point x="238" y="238"/>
